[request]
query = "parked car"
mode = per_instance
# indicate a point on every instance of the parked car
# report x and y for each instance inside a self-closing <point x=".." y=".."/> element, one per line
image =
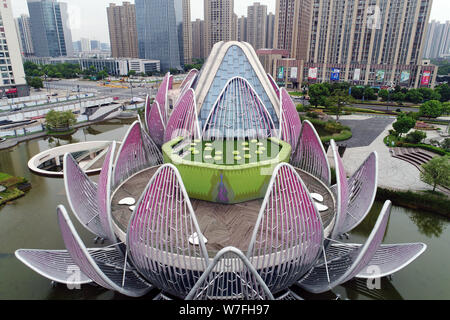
<point x="116" y="98"/>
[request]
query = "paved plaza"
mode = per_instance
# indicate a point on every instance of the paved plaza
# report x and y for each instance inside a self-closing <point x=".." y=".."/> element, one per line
<point x="365" y="130"/>
<point x="392" y="173"/>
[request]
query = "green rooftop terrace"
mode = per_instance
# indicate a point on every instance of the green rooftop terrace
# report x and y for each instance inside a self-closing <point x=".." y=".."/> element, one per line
<point x="230" y="171"/>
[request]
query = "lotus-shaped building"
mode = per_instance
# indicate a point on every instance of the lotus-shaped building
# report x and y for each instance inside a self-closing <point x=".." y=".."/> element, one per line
<point x="221" y="193"/>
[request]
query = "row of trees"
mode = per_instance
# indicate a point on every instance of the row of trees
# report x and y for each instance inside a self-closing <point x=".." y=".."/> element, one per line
<point x="320" y="93"/>
<point x="68" y="71"/>
<point x="441" y="93"/>
<point x="61" y="70"/>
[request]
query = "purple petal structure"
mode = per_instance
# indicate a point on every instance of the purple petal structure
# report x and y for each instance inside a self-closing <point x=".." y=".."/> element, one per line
<point x="161" y="97"/>
<point x="148" y="108"/>
<point x="104" y="194"/>
<point x="164" y="247"/>
<point x="274" y="84"/>
<point x="310" y="155"/>
<point x="111" y="273"/>
<point x="238" y="113"/>
<point x="189" y="80"/>
<point x="342" y="193"/>
<point x="362" y="191"/>
<point x="82" y="196"/>
<point x="133" y="155"/>
<point x="342" y="268"/>
<point x="158" y="235"/>
<point x="230" y="277"/>
<point x="291" y="124"/>
<point x="55" y="265"/>
<point x="288" y="232"/>
<point x="184" y="121"/>
<point x="391" y="258"/>
<point x="156" y="124"/>
<point x="154" y="154"/>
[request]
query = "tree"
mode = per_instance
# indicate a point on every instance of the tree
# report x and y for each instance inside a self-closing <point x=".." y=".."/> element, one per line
<point x="131" y="73"/>
<point x="60" y="119"/>
<point x="319" y="95"/>
<point x="437" y="172"/>
<point x="369" y="93"/>
<point x="35" y="82"/>
<point x="432" y="109"/>
<point x="429" y="94"/>
<point x="338" y="100"/>
<point x="416" y="137"/>
<point x="357" y="92"/>
<point x="383" y="94"/>
<point x="404" y="123"/>
<point x="414" y="96"/>
<point x="445" y="144"/>
<point x="446" y="108"/>
<point x="398" y="97"/>
<point x="444" y="91"/>
<point x="102" y="74"/>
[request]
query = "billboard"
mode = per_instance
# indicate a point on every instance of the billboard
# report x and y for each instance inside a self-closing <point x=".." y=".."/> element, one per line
<point x="426" y="78"/>
<point x="380" y="75"/>
<point x="294" y="73"/>
<point x="405" y="76"/>
<point x="281" y="73"/>
<point x="357" y="75"/>
<point x="335" y="74"/>
<point x="312" y="74"/>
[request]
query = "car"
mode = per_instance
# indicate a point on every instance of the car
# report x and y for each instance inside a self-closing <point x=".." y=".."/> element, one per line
<point x="116" y="98"/>
<point x="54" y="94"/>
<point x="2" y="140"/>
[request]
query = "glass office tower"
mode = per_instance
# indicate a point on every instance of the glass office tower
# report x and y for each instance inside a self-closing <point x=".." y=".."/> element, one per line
<point x="50" y="30"/>
<point x="160" y="31"/>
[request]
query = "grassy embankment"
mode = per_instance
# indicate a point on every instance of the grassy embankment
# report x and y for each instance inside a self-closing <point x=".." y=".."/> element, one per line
<point x="11" y="184"/>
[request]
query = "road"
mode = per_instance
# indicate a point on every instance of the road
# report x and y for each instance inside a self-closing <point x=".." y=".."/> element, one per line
<point x="386" y="108"/>
<point x="123" y="94"/>
<point x="366" y="106"/>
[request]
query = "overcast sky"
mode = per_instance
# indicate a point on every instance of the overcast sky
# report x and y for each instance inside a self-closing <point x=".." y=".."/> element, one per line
<point x="88" y="17"/>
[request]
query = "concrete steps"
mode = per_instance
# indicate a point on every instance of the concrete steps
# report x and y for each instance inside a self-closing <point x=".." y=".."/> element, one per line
<point x="414" y="156"/>
<point x="417" y="157"/>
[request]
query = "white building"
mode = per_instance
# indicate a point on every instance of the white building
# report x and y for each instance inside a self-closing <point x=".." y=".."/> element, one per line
<point x="115" y="67"/>
<point x="12" y="75"/>
<point x="85" y="45"/>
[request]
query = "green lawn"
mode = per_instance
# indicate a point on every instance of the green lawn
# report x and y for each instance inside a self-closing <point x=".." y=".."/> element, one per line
<point x="10" y="183"/>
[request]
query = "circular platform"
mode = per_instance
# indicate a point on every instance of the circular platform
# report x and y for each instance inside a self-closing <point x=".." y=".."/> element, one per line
<point x="222" y="224"/>
<point x="89" y="155"/>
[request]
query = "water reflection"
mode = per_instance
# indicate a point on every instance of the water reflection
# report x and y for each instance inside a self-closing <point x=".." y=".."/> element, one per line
<point x="58" y="141"/>
<point x="358" y="289"/>
<point x="427" y="223"/>
<point x="31" y="223"/>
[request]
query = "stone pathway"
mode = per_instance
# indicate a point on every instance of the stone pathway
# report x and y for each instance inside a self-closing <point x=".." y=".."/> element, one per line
<point x="392" y="173"/>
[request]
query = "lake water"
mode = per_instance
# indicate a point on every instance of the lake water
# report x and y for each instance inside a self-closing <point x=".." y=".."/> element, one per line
<point x="31" y="223"/>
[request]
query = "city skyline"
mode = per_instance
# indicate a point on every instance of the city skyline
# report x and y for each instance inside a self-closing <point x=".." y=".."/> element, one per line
<point x="97" y="16"/>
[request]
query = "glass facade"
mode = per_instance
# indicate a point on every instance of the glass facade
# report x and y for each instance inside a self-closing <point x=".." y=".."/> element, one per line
<point x="49" y="32"/>
<point x="160" y="31"/>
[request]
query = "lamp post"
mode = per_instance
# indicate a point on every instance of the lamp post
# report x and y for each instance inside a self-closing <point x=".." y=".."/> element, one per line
<point x="131" y="88"/>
